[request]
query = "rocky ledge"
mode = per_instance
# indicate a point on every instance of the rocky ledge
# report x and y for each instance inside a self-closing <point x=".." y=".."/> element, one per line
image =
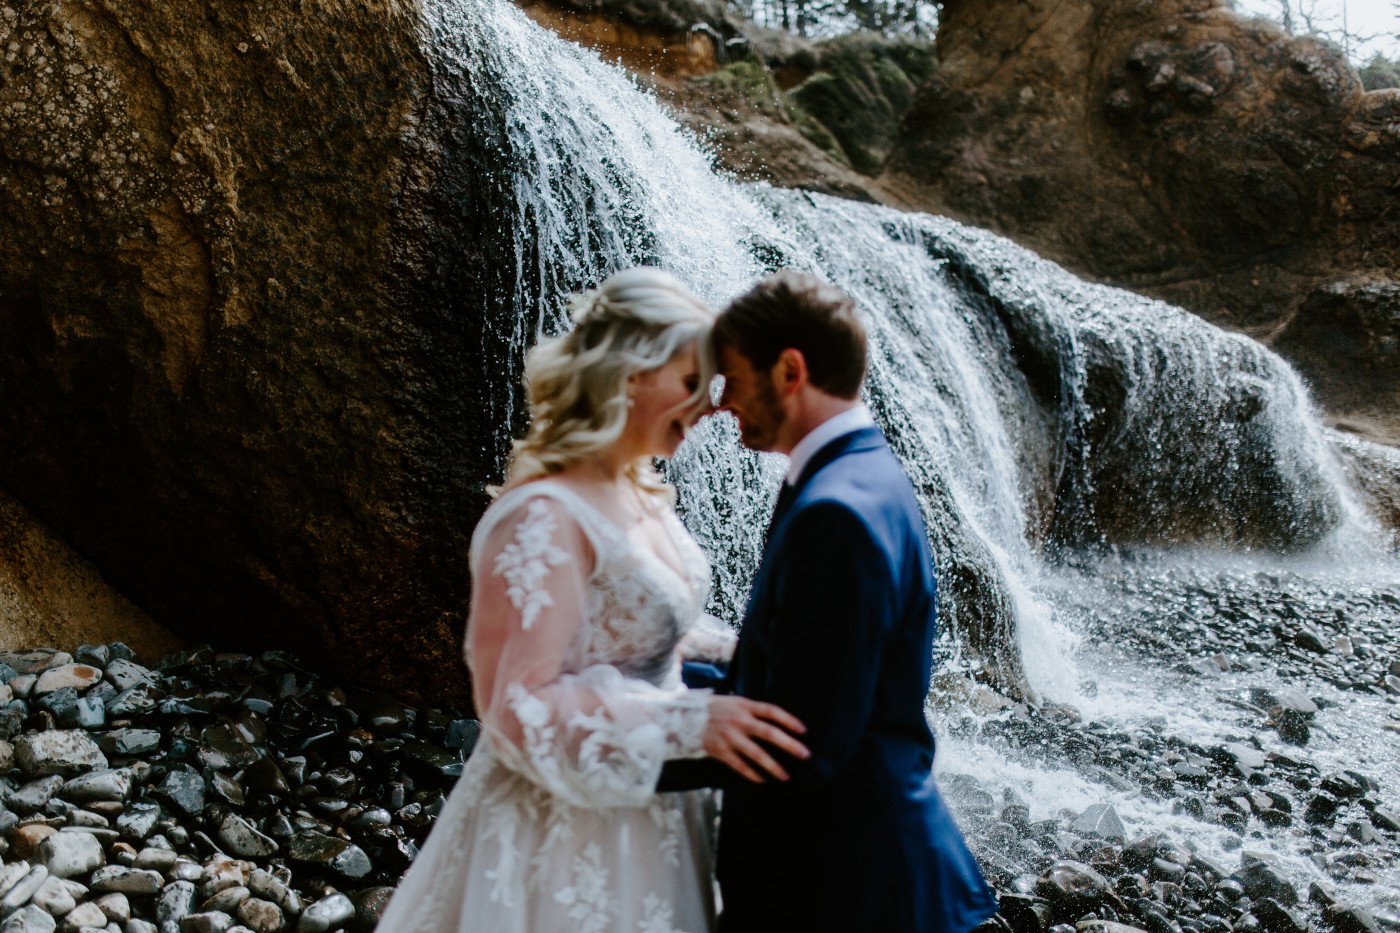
<point x="209" y="794"/>
<point x="1286" y="654"/>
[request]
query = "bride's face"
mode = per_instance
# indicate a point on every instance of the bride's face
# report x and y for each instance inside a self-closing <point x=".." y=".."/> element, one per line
<point x="664" y="406"/>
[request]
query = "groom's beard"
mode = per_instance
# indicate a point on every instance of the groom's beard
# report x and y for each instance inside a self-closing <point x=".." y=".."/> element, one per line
<point x="763" y="419"/>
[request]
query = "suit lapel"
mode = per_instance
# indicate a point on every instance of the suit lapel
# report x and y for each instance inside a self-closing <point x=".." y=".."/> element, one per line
<point x="865" y="438"/>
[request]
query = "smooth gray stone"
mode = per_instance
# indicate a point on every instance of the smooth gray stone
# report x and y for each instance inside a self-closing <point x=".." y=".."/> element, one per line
<point x="32" y="797"/>
<point x="124" y="674"/>
<point x="108" y="784"/>
<point x="31" y="919"/>
<point x="261" y="916"/>
<point x="267" y="886"/>
<point x="141" y="926"/>
<point x="122" y="880"/>
<point x="86" y="819"/>
<point x="1100" y="821"/>
<point x="103" y="835"/>
<point x="69" y="854"/>
<point x="155" y="859"/>
<point x="77" y="676"/>
<point x="134" y="701"/>
<point x="210" y="921"/>
<point x="57" y="751"/>
<point x="243" y="840"/>
<point x="10" y="875"/>
<point x="23" y="685"/>
<point x="93" y="655"/>
<point x="124" y="743"/>
<point x="318" y="849"/>
<point x="20" y="893"/>
<point x="85" y="915"/>
<point x="176" y="900"/>
<point x="138" y="821"/>
<point x="187" y="869"/>
<point x="227" y="900"/>
<point x="87" y="713"/>
<point x="326" y="914"/>
<point x="53" y="896"/>
<point x="1245" y="755"/>
<point x="185" y="790"/>
<point x="35" y="661"/>
<point x="115" y="906"/>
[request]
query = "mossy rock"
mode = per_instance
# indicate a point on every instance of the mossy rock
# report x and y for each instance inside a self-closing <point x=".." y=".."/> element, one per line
<point x="750" y="80"/>
<point x="863" y="87"/>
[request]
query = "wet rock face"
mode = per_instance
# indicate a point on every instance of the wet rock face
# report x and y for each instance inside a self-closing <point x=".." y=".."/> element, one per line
<point x="1170" y="148"/>
<point x="250" y="369"/>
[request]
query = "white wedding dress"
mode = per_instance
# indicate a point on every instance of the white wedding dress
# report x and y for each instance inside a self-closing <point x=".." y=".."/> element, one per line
<point x="573" y="644"/>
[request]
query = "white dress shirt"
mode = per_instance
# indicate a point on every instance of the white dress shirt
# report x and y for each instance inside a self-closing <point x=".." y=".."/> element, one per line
<point x="829" y="430"/>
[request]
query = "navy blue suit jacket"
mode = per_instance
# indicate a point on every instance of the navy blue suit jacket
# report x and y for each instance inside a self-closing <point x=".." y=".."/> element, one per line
<point x="839" y="631"/>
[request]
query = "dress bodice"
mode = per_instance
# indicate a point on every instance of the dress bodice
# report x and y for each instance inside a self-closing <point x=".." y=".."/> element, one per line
<point x="638" y="606"/>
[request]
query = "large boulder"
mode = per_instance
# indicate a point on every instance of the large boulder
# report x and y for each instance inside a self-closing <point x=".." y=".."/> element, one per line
<point x="1173" y="148"/>
<point x="257" y="363"/>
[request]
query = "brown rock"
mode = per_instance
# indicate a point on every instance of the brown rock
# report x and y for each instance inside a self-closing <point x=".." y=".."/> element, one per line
<point x="1175" y="149"/>
<point x="256" y="360"/>
<point x="25" y="838"/>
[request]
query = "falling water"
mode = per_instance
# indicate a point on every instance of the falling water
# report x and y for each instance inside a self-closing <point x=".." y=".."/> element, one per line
<point x="1069" y="443"/>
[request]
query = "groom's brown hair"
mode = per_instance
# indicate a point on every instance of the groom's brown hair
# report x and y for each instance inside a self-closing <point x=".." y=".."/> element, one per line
<point x="798" y="310"/>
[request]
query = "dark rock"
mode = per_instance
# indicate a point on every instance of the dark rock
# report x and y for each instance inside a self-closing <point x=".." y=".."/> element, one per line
<point x="1262" y="880"/>
<point x="138" y="821"/>
<point x="1349" y="919"/>
<point x="462" y="734"/>
<point x="1382" y="818"/>
<point x="371" y="903"/>
<point x="185" y="790"/>
<point x="1138" y="854"/>
<point x="1292" y="727"/>
<point x="265" y="777"/>
<point x="329" y="853"/>
<point x="1073" y="888"/>
<point x="1321" y="809"/>
<point x="1276" y="918"/>
<point x="224" y="749"/>
<point x="1164" y="870"/>
<point x="430" y="763"/>
<point x="135" y="702"/>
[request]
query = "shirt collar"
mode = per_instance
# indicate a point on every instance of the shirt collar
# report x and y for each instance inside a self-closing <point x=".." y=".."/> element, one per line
<point x="829" y="430"/>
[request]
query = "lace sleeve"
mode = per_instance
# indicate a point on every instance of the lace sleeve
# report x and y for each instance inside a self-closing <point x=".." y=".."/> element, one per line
<point x="709" y="639"/>
<point x="592" y="737"/>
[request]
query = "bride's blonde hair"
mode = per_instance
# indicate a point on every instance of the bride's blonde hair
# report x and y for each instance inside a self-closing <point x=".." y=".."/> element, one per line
<point x="636" y="321"/>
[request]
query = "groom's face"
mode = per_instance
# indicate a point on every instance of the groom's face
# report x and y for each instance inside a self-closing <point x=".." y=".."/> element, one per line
<point x="750" y="396"/>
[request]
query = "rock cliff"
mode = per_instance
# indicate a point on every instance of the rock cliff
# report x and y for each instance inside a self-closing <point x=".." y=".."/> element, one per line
<point x="1175" y="149"/>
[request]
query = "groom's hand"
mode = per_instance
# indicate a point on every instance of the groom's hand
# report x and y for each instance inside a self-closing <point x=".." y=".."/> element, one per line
<point x="737" y="725"/>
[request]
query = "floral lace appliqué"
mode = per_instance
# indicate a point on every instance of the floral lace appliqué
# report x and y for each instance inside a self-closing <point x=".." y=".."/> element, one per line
<point x="525" y="563"/>
<point x="658" y="916"/>
<point x="587" y="897"/>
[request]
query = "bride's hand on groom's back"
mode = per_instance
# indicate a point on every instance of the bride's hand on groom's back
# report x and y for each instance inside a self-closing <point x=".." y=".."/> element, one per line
<point x="737" y="729"/>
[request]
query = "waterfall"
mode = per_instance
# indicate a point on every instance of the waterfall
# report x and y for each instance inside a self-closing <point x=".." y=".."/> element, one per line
<point x="1011" y="391"/>
<point x="1039" y="417"/>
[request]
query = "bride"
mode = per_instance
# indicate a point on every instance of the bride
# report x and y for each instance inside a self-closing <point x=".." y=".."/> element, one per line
<point x="587" y="594"/>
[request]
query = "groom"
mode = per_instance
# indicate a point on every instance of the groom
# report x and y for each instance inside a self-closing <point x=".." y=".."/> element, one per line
<point x="838" y="631"/>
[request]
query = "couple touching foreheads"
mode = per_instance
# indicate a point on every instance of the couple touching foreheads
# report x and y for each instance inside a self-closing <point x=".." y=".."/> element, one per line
<point x="613" y="705"/>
